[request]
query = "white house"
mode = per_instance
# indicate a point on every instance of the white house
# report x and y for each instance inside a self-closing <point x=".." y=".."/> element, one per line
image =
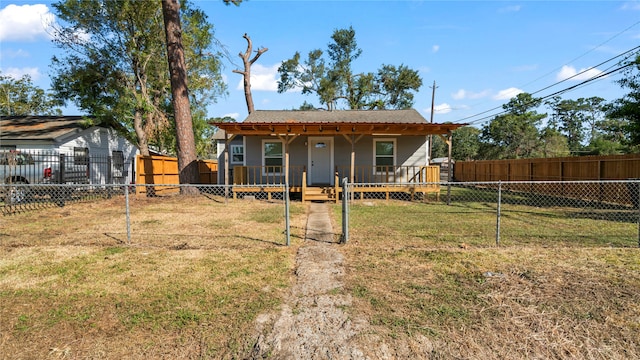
<point x="110" y="156"/>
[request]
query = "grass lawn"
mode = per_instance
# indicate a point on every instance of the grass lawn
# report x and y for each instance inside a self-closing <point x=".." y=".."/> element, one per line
<point x="199" y="272"/>
<point x="191" y="284"/>
<point x="558" y="286"/>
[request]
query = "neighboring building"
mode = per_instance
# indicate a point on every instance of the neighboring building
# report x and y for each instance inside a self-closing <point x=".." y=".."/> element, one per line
<point x="311" y="149"/>
<point x="109" y="156"/>
<point x="443" y="162"/>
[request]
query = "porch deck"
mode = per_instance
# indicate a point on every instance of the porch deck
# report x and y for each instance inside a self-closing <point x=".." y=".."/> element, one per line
<point x="416" y="181"/>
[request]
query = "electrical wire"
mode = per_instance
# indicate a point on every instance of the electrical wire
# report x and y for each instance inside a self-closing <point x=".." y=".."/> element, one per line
<point x="559" y="82"/>
<point x="600" y="76"/>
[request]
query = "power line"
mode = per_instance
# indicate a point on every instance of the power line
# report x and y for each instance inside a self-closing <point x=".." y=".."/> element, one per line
<point x="599" y="76"/>
<point x="573" y="87"/>
<point x="556" y="69"/>
<point x="584" y="54"/>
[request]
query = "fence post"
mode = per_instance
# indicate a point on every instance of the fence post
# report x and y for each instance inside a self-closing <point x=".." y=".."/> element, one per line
<point x="126" y="201"/>
<point x="637" y="187"/>
<point x="345" y="211"/>
<point x="61" y="170"/>
<point x="498" y="213"/>
<point x="287" y="212"/>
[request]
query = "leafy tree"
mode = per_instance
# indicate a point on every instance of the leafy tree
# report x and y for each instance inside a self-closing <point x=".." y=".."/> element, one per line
<point x="20" y="97"/>
<point x="552" y="144"/>
<point x="307" y="106"/>
<point x="513" y="134"/>
<point x="185" y="141"/>
<point x="595" y="113"/>
<point x="439" y="148"/>
<point x="332" y="78"/>
<point x="627" y="109"/>
<point x="466" y="143"/>
<point x="611" y="137"/>
<point x="569" y="117"/>
<point x="116" y="65"/>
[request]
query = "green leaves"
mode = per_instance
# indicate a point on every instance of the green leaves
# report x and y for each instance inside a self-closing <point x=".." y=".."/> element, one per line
<point x="21" y="97"/>
<point x="331" y="78"/>
<point x="121" y="75"/>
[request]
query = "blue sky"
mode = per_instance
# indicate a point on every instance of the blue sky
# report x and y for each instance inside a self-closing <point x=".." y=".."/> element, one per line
<point x="479" y="53"/>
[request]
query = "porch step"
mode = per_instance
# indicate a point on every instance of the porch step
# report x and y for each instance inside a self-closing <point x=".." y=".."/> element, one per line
<point x="322" y="193"/>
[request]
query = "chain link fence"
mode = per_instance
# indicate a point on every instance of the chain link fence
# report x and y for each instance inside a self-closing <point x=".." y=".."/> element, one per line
<point x="604" y="213"/>
<point x="170" y="216"/>
<point x="502" y="213"/>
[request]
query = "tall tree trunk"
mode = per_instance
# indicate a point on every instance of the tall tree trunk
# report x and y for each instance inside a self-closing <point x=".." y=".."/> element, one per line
<point x="143" y="141"/>
<point x="247" y="71"/>
<point x="185" y="142"/>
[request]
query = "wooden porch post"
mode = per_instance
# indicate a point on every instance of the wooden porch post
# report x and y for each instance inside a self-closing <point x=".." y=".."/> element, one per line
<point x="449" y="145"/>
<point x="352" y="168"/>
<point x="286" y="161"/>
<point x="226" y="165"/>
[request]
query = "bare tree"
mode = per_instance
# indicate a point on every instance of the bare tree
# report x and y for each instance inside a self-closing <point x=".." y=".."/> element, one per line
<point x="247" y="70"/>
<point x="185" y="141"/>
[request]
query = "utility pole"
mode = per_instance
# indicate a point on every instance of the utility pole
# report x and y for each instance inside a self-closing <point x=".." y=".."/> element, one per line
<point x="433" y="97"/>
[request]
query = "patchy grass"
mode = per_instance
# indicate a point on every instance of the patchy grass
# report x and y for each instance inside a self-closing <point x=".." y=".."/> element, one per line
<point x="563" y="284"/>
<point x="558" y="287"/>
<point x="191" y="284"/>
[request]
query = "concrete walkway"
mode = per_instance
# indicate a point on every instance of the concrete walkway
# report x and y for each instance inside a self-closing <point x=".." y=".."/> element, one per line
<point x="312" y="324"/>
<point x="319" y="226"/>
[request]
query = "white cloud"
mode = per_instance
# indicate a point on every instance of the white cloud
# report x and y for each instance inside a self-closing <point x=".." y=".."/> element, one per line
<point x="439" y="109"/>
<point x="234" y="115"/>
<point x="459" y="95"/>
<point x="631" y="5"/>
<point x="507" y="94"/>
<point x="13" y="54"/>
<point x="523" y="68"/>
<point x="435" y="48"/>
<point x="25" y="23"/>
<point x="464" y="94"/>
<point x="442" y="108"/>
<point x="512" y="8"/>
<point x="262" y="78"/>
<point x="17" y="73"/>
<point x="583" y="74"/>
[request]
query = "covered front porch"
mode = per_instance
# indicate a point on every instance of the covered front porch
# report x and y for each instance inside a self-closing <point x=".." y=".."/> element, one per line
<point x="418" y="181"/>
<point x="311" y="152"/>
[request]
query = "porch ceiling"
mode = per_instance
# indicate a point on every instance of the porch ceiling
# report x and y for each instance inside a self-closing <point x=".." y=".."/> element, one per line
<point x="335" y="128"/>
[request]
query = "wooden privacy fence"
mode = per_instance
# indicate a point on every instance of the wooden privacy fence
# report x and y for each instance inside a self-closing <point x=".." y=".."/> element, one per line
<point x="582" y="168"/>
<point x="589" y="169"/>
<point x="163" y="170"/>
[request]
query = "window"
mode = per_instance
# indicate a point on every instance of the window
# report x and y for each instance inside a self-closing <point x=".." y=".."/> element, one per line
<point x="117" y="158"/>
<point x="385" y="155"/>
<point x="272" y="156"/>
<point x="237" y="154"/>
<point x="80" y="156"/>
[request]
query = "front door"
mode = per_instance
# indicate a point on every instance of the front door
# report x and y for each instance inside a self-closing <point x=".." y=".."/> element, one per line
<point x="320" y="161"/>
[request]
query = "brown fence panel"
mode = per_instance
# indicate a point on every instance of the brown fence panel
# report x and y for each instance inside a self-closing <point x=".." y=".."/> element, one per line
<point x="208" y="170"/>
<point x="583" y="168"/>
<point x="614" y="167"/>
<point x="163" y="170"/>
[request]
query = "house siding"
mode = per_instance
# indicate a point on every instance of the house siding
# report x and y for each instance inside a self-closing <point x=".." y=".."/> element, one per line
<point x="100" y="142"/>
<point x="410" y="151"/>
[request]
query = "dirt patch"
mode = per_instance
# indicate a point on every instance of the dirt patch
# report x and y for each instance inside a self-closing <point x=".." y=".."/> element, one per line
<point x="315" y="321"/>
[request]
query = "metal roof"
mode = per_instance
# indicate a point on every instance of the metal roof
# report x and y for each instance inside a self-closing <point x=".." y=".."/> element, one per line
<point x="409" y="116"/>
<point x="278" y="122"/>
<point x="48" y="128"/>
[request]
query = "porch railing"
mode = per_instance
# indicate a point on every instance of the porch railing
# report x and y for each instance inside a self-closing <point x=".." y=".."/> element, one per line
<point x="266" y="175"/>
<point x="368" y="174"/>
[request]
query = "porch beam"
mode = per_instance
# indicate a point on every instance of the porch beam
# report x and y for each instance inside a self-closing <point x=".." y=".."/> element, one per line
<point x="226" y="165"/>
<point x="262" y="129"/>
